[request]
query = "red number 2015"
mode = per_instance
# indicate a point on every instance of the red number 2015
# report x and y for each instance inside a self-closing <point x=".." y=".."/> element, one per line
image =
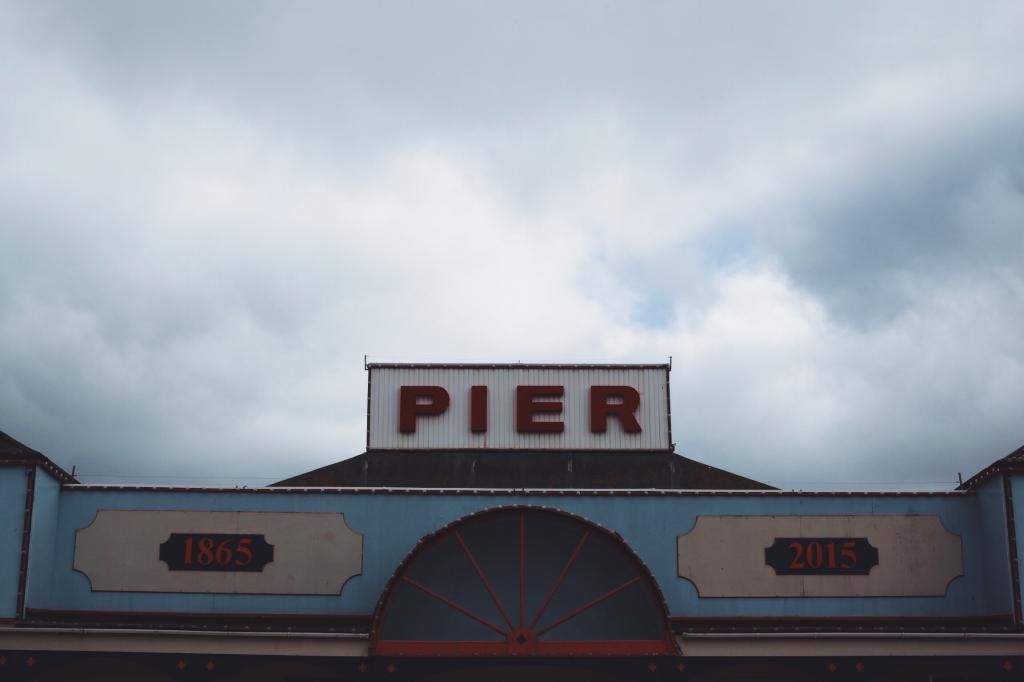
<point x="815" y="555"/>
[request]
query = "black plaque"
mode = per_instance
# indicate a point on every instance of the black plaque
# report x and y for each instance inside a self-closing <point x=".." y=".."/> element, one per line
<point x="821" y="556"/>
<point x="216" y="552"/>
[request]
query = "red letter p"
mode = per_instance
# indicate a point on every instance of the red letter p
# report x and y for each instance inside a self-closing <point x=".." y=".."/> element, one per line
<point x="419" y="401"/>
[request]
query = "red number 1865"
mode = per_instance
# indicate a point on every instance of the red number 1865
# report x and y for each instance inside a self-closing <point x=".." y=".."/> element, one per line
<point x="216" y="552"/>
<point x="233" y="551"/>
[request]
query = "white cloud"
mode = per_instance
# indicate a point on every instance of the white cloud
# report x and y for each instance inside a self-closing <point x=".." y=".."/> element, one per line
<point x="190" y="277"/>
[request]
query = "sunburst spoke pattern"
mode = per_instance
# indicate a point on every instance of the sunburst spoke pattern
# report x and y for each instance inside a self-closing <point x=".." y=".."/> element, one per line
<point x="547" y="561"/>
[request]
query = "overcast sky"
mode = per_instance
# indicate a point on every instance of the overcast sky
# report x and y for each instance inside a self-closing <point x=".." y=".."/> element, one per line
<point x="210" y="212"/>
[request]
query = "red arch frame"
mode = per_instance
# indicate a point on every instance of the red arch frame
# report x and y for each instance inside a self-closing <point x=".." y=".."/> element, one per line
<point x="665" y="646"/>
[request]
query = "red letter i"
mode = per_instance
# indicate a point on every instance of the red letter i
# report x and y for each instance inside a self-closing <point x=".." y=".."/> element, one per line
<point x="478" y="409"/>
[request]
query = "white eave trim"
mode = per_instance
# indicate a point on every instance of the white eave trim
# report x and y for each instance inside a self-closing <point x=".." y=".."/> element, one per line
<point x="345" y="645"/>
<point x="184" y="642"/>
<point x="851" y="644"/>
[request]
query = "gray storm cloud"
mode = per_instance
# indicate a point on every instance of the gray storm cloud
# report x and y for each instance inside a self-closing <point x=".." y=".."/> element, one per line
<point x="209" y="213"/>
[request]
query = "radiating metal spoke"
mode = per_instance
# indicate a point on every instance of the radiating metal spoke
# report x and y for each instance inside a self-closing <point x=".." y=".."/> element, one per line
<point x="483" y="578"/>
<point x="589" y="605"/>
<point x="561" y="577"/>
<point x="448" y="602"/>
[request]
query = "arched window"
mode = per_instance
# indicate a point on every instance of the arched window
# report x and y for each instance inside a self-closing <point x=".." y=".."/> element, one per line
<point x="522" y="581"/>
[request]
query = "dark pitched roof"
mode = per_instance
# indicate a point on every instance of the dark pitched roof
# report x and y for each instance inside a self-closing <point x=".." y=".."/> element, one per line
<point x="1015" y="457"/>
<point x="1012" y="463"/>
<point x="16" y="452"/>
<point x="565" y="469"/>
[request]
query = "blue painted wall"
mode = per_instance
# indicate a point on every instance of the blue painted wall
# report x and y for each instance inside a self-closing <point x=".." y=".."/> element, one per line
<point x="45" y="512"/>
<point x="12" y="514"/>
<point x="1017" y="487"/>
<point x="393" y="523"/>
<point x="994" y="545"/>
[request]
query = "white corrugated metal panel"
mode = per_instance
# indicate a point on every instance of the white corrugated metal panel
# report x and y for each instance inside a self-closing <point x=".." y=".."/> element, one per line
<point x="451" y="430"/>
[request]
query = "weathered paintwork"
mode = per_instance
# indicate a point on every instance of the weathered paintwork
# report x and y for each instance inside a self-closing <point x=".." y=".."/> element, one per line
<point x="43" y="539"/>
<point x="393" y="522"/>
<point x="12" y="511"/>
<point x="1017" y="487"/>
<point x="994" y="542"/>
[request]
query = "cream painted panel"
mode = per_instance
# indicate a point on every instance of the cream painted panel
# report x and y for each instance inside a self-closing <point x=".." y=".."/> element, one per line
<point x="314" y="553"/>
<point x="723" y="556"/>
